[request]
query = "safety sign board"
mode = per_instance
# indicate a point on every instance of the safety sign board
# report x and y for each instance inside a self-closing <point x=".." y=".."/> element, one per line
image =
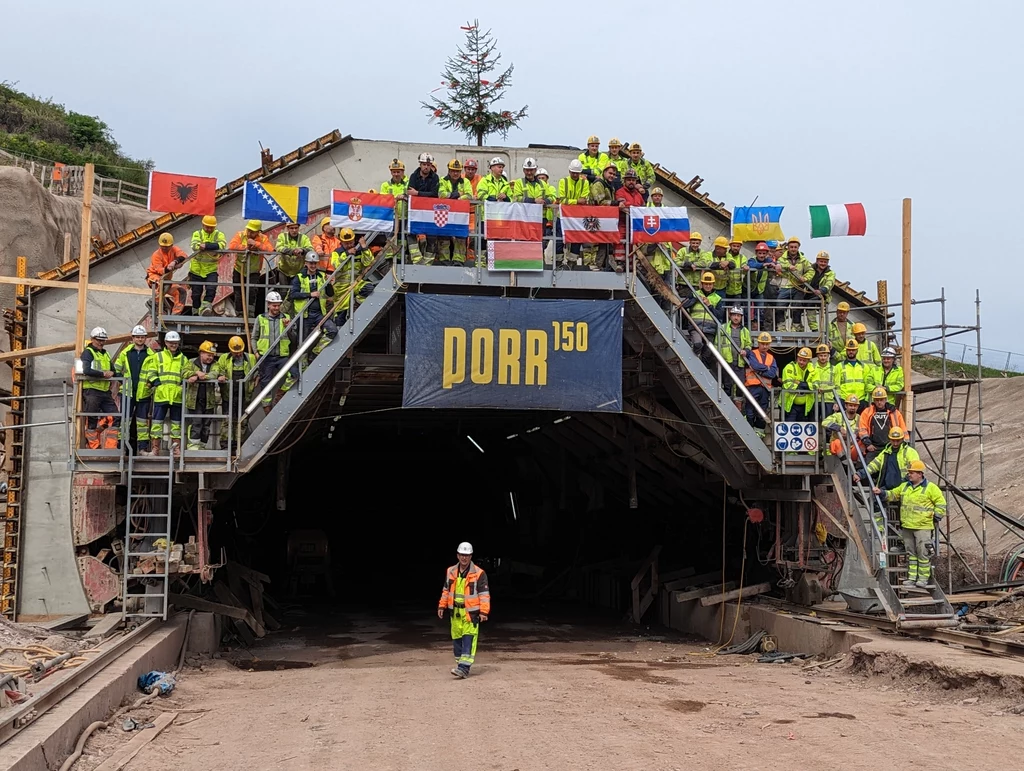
<point x="792" y="436"/>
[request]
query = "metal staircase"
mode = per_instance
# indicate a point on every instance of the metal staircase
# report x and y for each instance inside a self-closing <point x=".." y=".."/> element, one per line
<point x="146" y="565"/>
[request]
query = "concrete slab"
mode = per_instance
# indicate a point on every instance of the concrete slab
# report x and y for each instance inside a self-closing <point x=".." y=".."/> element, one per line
<point x="45" y="743"/>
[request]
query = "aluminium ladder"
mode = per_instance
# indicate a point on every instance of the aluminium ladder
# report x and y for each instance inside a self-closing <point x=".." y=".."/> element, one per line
<point x="147" y="520"/>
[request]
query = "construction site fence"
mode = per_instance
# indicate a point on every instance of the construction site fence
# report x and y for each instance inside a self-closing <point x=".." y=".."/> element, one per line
<point x="965" y="356"/>
<point x="61" y="179"/>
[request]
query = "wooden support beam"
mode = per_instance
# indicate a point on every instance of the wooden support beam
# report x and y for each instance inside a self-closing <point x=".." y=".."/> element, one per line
<point x="746" y="591"/>
<point x="707" y="591"/>
<point x="47" y="283"/>
<point x="84" y="250"/>
<point x="682" y="583"/>
<point x="198" y="603"/>
<point x="44" y="350"/>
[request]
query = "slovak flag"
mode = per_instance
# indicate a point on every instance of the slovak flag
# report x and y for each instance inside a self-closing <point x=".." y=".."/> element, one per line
<point x="367" y="212"/>
<point x="439" y="217"/>
<point x="657" y="224"/>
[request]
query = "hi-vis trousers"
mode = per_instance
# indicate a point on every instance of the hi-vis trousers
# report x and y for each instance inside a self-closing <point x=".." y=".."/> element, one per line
<point x="464" y="638"/>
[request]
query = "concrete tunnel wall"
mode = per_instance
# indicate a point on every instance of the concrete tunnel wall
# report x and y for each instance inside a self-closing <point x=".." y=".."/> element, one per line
<point x="50" y="581"/>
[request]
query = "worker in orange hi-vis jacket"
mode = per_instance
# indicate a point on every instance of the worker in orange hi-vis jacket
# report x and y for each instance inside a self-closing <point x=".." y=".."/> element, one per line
<point x="466" y="595"/>
<point x="252" y="247"/>
<point x="326" y="243"/>
<point x="163" y="262"/>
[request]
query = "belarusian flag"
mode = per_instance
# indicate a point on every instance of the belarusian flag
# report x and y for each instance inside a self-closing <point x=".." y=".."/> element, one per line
<point x="844" y="219"/>
<point x="515" y="255"/>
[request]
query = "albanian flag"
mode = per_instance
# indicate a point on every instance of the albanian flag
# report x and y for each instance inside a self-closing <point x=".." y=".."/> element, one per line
<point x="181" y="194"/>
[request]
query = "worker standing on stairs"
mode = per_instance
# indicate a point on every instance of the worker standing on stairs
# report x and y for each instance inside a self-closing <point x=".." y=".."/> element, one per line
<point x="840" y="329"/>
<point x="761" y="267"/>
<point x="922" y="507"/>
<point x="251" y="246"/>
<point x="762" y="370"/>
<point x="207" y="244"/>
<point x="466" y="596"/>
<point x="129" y="365"/>
<point x="794" y="271"/>
<point x="867" y="351"/>
<point x="162" y="264"/>
<point x="823" y="382"/>
<point x="852" y="376"/>
<point x="890" y="374"/>
<point x="838" y="438"/>
<point x="165" y="376"/>
<point x="291" y="248"/>
<point x="270" y="327"/>
<point x="692" y="262"/>
<point x="310" y="292"/>
<point x="734" y="343"/>
<point x="351" y="258"/>
<point x="819" y="289"/>
<point x="889" y="467"/>
<point x="233" y="368"/>
<point x="325" y="243"/>
<point x="798" y="396"/>
<point x="202" y="395"/>
<point x="98" y="394"/>
<point x="704" y="309"/>
<point x="722" y="264"/>
<point x="877" y="421"/>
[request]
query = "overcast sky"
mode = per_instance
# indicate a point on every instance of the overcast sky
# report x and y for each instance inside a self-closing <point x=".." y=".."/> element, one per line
<point x="791" y="102"/>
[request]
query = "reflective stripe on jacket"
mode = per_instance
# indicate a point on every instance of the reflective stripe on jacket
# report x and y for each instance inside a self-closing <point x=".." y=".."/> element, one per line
<point x="918" y="504"/>
<point x="98" y="361"/>
<point x="251" y="260"/>
<point x="267" y="330"/>
<point x="122" y="368"/>
<point x="478" y="594"/>
<point x="165" y="375"/>
<point x="205" y="262"/>
<point x="573" y="191"/>
<point x="724" y="345"/>
<point x="794" y="376"/>
<point x="852" y="378"/>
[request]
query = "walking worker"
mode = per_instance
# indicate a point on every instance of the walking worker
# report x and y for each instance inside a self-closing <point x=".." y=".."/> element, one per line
<point x="922" y="507"/>
<point x="98" y="394"/>
<point x="467" y="597"/>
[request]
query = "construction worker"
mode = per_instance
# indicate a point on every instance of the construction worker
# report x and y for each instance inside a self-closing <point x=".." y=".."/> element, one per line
<point x="762" y="370"/>
<point x="550" y="196"/>
<point x="310" y="292"/>
<point x="704" y="309"/>
<point x="853" y="377"/>
<point x="530" y="189"/>
<point x="495" y="186"/>
<point x="734" y="343"/>
<point x="593" y="161"/>
<point x="598" y="257"/>
<point x="838" y="438"/>
<point x="736" y="277"/>
<point x="762" y="267"/>
<point x="922" y="507"/>
<point x="202" y="396"/>
<point x="452" y="251"/>
<point x="251" y="246"/>
<point x="129" y="365"/>
<point x="818" y="290"/>
<point x="207" y="244"/>
<point x="165" y="373"/>
<point x="644" y="170"/>
<point x="573" y="190"/>
<point x="232" y="369"/>
<point x="103" y="425"/>
<point x="889" y="374"/>
<point x="798" y="399"/>
<point x="661" y="254"/>
<point x="268" y="329"/>
<point x="325" y="243"/>
<point x="794" y="273"/>
<point x="162" y="263"/>
<point x="469" y="173"/>
<point x="398" y="186"/>
<point x="616" y="156"/>
<point x="291" y="251"/>
<point x="351" y="258"/>
<point x="466" y="596"/>
<point x="823" y="382"/>
<point x="627" y="196"/>
<point x="692" y="262"/>
<point x="721" y="265"/>
<point x="424" y="182"/>
<point x="469" y="169"/>
<point x="867" y="351"/>
<point x="876" y="421"/>
<point x="840" y="329"/>
<point x="888" y="469"/>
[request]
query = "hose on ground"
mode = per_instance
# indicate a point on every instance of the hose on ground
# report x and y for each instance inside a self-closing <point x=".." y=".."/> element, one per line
<point x="80" y="744"/>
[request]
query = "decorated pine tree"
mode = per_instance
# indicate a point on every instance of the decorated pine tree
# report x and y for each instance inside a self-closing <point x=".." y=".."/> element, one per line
<point x="471" y="103"/>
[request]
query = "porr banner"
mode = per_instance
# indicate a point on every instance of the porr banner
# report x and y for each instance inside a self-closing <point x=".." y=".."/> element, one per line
<point x="510" y="353"/>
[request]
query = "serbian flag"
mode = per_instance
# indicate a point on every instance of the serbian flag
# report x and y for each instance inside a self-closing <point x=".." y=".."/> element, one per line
<point x="181" y="194"/>
<point x="435" y="217"/>
<point x="657" y="224"/>
<point x="514" y="221"/>
<point x="590" y="224"/>
<point x="367" y="212"/>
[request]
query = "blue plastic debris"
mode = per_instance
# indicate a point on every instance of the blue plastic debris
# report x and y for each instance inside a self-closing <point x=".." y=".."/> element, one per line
<point x="164" y="681"/>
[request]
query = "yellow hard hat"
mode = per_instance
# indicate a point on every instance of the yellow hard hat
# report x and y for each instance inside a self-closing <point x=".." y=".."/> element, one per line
<point x="897" y="433"/>
<point x="346" y="235"/>
<point x="851" y="345"/>
<point x="823" y="255"/>
<point x="793" y="240"/>
<point x="707" y="278"/>
<point x="636" y="146"/>
<point x="166" y="239"/>
<point x="657" y="191"/>
<point x="613" y="142"/>
<point x="735" y="240"/>
<point x="858" y="328"/>
<point x="325" y="222"/>
<point x="236" y="344"/>
<point x="454" y="165"/>
<point x="764" y="337"/>
<point x="396" y="165"/>
<point x="207" y="347"/>
<point x="803" y="353"/>
<point x="254" y="225"/>
<point x="695" y="236"/>
<point x="852" y="399"/>
<point x="210" y="221"/>
<point x="916" y="465"/>
<point x="843" y="306"/>
<point x="721" y="241"/>
<point x="880" y="393"/>
<point x="823" y="348"/>
<point x="592" y="139"/>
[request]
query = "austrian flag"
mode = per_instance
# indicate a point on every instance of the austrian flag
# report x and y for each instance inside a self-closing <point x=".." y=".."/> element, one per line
<point x="658" y="224"/>
<point x="590" y="224"/>
<point x="436" y="217"/>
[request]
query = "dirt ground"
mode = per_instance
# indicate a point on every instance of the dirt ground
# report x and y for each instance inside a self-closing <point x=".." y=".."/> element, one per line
<point x="375" y="693"/>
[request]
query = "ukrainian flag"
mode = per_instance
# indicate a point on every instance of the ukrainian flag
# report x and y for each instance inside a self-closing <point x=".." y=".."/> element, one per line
<point x="757" y="223"/>
<point x="275" y="203"/>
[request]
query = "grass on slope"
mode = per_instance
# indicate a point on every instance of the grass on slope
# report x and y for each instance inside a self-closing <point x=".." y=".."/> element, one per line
<point x="932" y="367"/>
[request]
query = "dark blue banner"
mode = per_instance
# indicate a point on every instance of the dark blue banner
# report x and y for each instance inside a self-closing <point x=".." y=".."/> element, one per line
<point x="513" y="353"/>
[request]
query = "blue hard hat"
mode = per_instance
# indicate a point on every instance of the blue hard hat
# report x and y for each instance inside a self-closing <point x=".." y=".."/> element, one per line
<point x="772" y="244"/>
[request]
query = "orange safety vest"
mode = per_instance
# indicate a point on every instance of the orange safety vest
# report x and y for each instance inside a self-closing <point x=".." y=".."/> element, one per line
<point x="753" y="379"/>
<point x="328" y="245"/>
<point x="478" y="595"/>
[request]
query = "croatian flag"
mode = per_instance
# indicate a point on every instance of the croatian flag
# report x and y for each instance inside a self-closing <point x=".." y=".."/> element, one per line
<point x="590" y="224"/>
<point x="656" y="224"/>
<point x="367" y="212"/>
<point x="437" y="217"/>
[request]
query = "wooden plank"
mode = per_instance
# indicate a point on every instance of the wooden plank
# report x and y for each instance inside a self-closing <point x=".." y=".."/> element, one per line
<point x="248" y="573"/>
<point x="105" y="627"/>
<point x="84" y="252"/>
<point x="45" y="350"/>
<point x="124" y="755"/>
<point x="672" y="575"/>
<point x="652" y="559"/>
<point x="64" y="621"/>
<point x="698" y="580"/>
<point x="198" y="603"/>
<point x="226" y="596"/>
<point x="49" y="284"/>
<point x="707" y="591"/>
<point x="746" y="591"/>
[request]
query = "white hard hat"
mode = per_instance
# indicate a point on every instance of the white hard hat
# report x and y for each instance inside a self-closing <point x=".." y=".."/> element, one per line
<point x="576" y="166"/>
<point x="542" y="172"/>
<point x="465" y="548"/>
<point x="496" y="161"/>
<point x="530" y="163"/>
<point x="889" y="352"/>
<point x="426" y="158"/>
<point x="273" y="297"/>
<point x="312" y="256"/>
<point x="736" y="309"/>
<point x="99" y="333"/>
<point x="172" y="337"/>
<point x="138" y="330"/>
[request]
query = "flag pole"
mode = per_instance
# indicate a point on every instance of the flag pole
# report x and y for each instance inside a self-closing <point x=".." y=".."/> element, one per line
<point x="908" y="406"/>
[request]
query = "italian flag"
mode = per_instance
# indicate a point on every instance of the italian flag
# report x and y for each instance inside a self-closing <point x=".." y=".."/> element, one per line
<point x="844" y="219"/>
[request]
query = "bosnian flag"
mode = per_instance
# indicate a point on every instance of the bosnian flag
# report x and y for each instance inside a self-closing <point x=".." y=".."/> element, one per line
<point x="439" y="217"/>
<point x="514" y="221"/>
<point x="590" y="224"/>
<point x="655" y="224"/>
<point x="368" y="212"/>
